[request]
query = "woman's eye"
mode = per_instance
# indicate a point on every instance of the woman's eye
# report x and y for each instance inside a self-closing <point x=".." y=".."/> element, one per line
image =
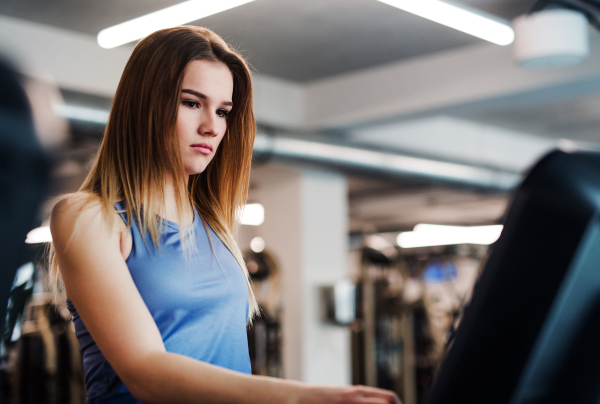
<point x="222" y="112"/>
<point x="190" y="104"/>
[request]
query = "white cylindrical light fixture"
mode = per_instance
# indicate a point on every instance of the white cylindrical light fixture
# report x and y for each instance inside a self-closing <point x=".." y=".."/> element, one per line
<point x="552" y="38"/>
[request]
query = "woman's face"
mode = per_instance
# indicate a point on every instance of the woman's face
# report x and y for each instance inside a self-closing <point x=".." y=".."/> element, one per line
<point x="205" y="101"/>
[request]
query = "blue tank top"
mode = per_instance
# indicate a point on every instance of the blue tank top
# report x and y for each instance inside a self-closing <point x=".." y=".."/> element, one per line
<point x="200" y="308"/>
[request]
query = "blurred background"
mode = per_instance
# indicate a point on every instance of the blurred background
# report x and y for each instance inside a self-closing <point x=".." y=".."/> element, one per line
<point x="388" y="147"/>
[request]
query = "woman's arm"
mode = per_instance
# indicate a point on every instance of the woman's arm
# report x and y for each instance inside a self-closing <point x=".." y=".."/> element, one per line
<point x="99" y="284"/>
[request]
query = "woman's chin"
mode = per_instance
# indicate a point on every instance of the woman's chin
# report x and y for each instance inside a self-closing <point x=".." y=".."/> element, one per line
<point x="195" y="170"/>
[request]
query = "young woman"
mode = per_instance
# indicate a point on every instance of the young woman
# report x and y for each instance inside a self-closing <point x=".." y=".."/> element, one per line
<point x="145" y="251"/>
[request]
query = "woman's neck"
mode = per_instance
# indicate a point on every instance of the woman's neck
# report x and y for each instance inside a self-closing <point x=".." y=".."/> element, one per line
<point x="169" y="210"/>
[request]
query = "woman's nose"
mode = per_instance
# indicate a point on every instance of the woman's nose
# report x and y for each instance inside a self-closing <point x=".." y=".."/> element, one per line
<point x="208" y="126"/>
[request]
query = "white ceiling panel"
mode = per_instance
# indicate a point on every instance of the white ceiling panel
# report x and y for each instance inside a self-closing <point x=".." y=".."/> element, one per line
<point x="291" y="39"/>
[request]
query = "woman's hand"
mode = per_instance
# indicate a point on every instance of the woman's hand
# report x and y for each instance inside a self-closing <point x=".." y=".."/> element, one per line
<point x="349" y="395"/>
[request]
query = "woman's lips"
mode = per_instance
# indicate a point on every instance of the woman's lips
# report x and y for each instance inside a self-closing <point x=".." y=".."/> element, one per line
<point x="203" y="148"/>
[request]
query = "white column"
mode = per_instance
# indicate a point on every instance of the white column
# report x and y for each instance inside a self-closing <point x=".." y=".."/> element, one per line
<point x="306" y="226"/>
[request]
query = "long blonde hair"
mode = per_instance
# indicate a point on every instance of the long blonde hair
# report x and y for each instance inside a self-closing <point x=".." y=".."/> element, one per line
<point x="140" y="149"/>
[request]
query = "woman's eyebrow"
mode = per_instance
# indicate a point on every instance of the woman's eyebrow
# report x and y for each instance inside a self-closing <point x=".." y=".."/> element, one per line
<point x="202" y="96"/>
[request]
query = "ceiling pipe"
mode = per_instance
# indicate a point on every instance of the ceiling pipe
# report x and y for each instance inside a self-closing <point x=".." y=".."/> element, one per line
<point x="349" y="158"/>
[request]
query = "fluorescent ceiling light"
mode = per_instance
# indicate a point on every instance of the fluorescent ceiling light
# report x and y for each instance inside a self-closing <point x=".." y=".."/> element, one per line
<point x="86" y="114"/>
<point x="460" y="18"/>
<point x="173" y="16"/>
<point x="427" y="235"/>
<point x="39" y="235"/>
<point x="254" y="214"/>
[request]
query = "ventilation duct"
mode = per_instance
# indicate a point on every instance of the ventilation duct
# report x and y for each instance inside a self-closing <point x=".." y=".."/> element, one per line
<point x="373" y="162"/>
<point x="348" y="158"/>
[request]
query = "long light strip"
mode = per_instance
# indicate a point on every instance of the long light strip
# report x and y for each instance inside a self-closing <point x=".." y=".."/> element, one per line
<point x="428" y="235"/>
<point x="459" y="18"/>
<point x="173" y="16"/>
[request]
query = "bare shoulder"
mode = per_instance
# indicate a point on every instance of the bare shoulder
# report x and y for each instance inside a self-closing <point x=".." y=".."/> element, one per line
<point x="71" y="208"/>
<point x="71" y="205"/>
<point x="81" y="214"/>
